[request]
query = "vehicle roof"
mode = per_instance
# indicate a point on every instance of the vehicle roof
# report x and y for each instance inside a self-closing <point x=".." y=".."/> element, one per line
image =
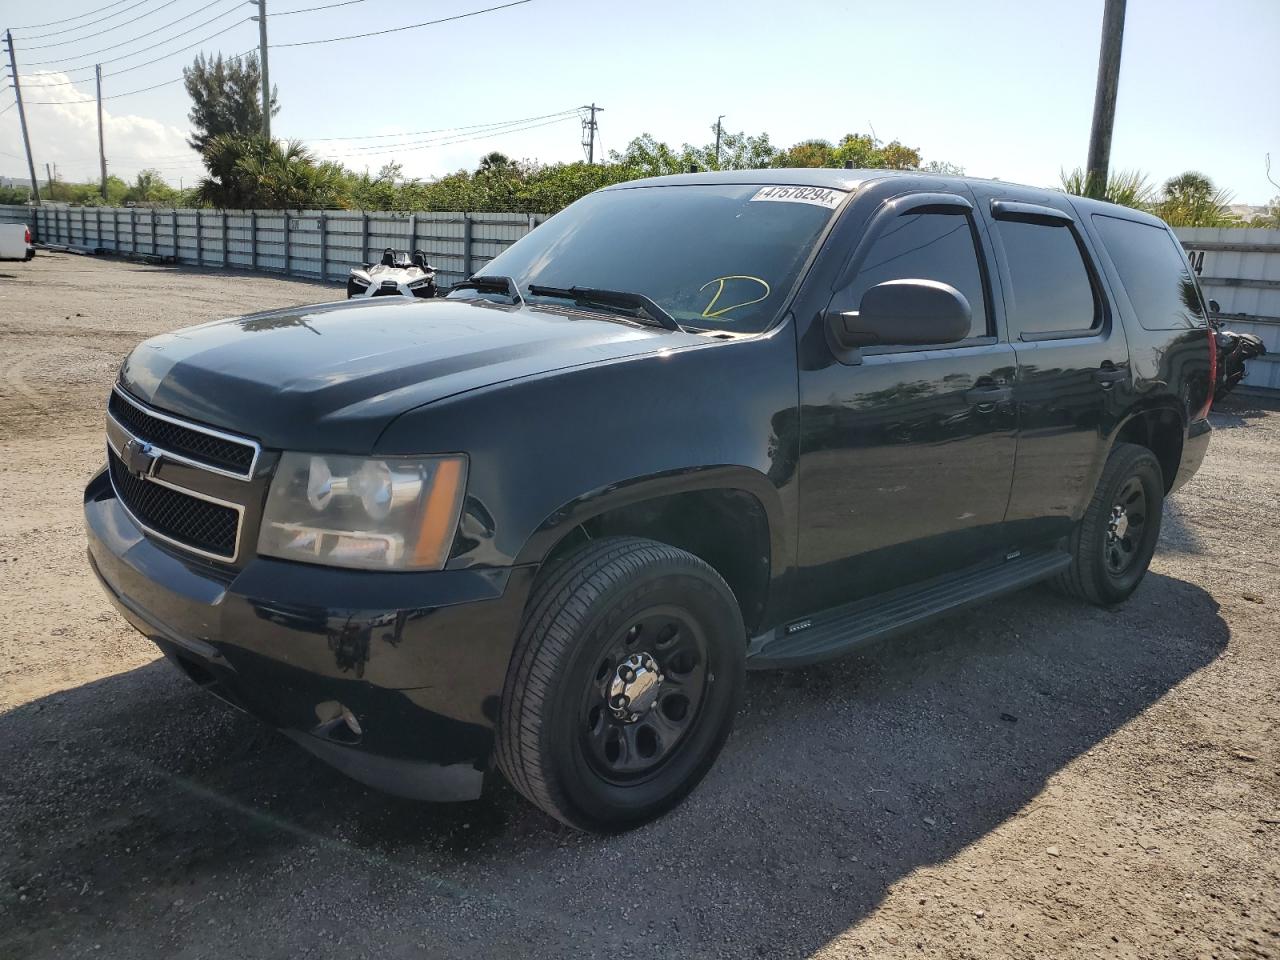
<point x="842" y="179"/>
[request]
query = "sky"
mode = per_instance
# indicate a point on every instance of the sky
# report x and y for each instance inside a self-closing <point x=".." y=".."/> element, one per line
<point x="1002" y="88"/>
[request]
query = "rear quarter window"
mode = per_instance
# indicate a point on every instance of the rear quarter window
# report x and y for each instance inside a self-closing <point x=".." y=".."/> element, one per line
<point x="1154" y="272"/>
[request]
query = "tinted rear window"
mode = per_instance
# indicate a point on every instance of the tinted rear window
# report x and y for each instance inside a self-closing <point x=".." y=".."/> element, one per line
<point x="1052" y="292"/>
<point x="1154" y="273"/>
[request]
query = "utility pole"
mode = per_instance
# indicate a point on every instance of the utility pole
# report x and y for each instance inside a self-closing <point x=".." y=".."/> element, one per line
<point x="1104" y="99"/>
<point x="589" y="131"/>
<point x="266" y="76"/>
<point x="49" y="178"/>
<point x="718" y="119"/>
<point x="22" y="120"/>
<point x="102" y="149"/>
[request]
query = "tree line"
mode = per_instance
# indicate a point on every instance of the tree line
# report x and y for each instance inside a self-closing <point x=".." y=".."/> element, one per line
<point x="244" y="170"/>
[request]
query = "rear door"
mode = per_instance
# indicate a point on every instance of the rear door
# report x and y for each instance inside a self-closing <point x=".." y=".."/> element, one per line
<point x="1072" y="359"/>
<point x="906" y="454"/>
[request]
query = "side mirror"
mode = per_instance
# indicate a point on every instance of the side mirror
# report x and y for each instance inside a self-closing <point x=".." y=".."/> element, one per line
<point x="1214" y="309"/>
<point x="902" y="313"/>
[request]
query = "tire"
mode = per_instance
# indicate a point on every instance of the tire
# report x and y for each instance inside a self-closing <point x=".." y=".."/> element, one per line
<point x="1132" y="477"/>
<point x="571" y="738"/>
<point x="353" y="289"/>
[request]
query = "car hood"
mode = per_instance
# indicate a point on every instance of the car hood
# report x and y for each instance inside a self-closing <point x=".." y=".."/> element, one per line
<point x="331" y="377"/>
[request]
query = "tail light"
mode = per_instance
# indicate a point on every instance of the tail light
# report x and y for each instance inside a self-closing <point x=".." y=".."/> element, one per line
<point x="1213" y="373"/>
<point x="27" y="241"/>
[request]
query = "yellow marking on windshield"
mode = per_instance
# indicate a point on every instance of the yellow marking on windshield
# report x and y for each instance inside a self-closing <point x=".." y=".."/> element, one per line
<point x="710" y="314"/>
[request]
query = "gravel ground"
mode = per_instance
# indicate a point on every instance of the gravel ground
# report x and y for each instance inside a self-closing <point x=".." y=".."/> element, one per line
<point x="1032" y="778"/>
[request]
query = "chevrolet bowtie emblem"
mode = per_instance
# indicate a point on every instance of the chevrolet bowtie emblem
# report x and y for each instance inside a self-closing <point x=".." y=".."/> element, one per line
<point x="139" y="457"/>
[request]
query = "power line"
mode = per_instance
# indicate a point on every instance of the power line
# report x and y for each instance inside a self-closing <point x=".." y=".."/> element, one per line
<point x="411" y="26"/>
<point x="456" y="131"/>
<point x="83" y="26"/>
<point x="63" y="43"/>
<point x="139" y="66"/>
<point x="113" y="96"/>
<point x="327" y="6"/>
<point x="416" y="133"/>
<point x="126" y="56"/>
<point x="78" y="16"/>
<point x="123" y="43"/>
<point x="446" y="142"/>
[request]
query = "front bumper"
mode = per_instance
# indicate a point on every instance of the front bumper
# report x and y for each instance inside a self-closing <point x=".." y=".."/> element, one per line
<point x="419" y="659"/>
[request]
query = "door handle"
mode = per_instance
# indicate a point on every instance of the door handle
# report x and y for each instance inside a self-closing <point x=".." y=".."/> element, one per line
<point x="1109" y="373"/>
<point x="987" y="393"/>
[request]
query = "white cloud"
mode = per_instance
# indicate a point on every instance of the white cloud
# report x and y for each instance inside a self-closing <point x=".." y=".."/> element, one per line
<point x="63" y="122"/>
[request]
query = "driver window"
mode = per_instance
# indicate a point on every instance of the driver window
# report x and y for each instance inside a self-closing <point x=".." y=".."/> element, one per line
<point x="926" y="246"/>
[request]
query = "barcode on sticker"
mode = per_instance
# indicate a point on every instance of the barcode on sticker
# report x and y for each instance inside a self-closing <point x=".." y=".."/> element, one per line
<point x="818" y="196"/>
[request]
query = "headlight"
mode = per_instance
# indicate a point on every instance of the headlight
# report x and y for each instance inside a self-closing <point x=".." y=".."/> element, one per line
<point x="421" y="282"/>
<point x="389" y="513"/>
<point x="359" y="280"/>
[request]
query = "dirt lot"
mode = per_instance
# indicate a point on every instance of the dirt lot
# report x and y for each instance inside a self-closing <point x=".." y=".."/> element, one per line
<point x="1034" y="778"/>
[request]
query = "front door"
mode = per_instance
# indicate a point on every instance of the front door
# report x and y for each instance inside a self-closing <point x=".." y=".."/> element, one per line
<point x="906" y="457"/>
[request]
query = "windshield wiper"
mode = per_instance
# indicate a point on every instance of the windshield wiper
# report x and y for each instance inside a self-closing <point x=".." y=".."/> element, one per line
<point x="503" y="285"/>
<point x="642" y="305"/>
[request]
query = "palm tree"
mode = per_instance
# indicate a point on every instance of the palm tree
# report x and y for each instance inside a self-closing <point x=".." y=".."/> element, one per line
<point x="1191" y="200"/>
<point x="1129" y="188"/>
<point x="252" y="172"/>
<point x="493" y="162"/>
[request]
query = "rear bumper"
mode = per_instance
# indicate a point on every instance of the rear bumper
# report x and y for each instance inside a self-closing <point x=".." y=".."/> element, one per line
<point x="419" y="660"/>
<point x="1194" y="449"/>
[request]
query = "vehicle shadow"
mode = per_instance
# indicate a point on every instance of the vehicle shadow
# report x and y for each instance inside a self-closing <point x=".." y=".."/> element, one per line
<point x="145" y="817"/>
<point x="1237" y="409"/>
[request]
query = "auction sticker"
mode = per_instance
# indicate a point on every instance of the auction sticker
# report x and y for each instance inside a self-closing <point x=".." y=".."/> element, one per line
<point x="818" y="196"/>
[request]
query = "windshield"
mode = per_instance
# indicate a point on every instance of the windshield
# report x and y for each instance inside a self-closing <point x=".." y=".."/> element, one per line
<point x="714" y="256"/>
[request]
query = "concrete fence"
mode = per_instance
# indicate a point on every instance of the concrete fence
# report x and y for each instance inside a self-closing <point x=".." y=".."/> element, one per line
<point x="315" y="244"/>
<point x="1240" y="268"/>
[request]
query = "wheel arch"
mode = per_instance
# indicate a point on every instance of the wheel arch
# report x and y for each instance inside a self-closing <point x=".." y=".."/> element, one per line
<point x="1159" y="427"/>
<point x="730" y="517"/>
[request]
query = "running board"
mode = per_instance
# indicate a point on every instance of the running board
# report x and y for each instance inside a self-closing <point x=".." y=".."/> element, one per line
<point x="840" y="629"/>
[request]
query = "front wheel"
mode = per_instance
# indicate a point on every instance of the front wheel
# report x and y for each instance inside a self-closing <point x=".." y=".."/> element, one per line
<point x="1112" y="545"/>
<point x="623" y="685"/>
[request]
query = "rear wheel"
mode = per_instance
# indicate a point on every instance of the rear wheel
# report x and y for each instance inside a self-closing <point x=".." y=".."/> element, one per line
<point x="623" y="685"/>
<point x="1112" y="545"/>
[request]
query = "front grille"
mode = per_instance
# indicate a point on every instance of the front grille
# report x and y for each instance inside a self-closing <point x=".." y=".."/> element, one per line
<point x="186" y="520"/>
<point x="205" y="448"/>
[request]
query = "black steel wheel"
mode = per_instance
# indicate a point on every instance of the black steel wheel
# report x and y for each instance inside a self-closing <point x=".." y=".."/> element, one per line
<point x="623" y="685"/>
<point x="645" y="694"/>
<point x="1113" y="543"/>
<point x="1121" y="547"/>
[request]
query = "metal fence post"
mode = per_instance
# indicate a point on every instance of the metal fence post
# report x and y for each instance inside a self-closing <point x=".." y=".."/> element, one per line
<point x="286" y="243"/>
<point x="199" y="241"/>
<point x="133" y="230"/>
<point x="324" y="247"/>
<point x="226" y="254"/>
<point x="413" y="232"/>
<point x="364" y="237"/>
<point x="174" y="224"/>
<point x="253" y="239"/>
<point x="466" y="246"/>
<point x="153" y="231"/>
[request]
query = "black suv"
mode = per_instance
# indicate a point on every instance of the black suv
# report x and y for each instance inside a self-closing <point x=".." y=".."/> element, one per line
<point x="689" y="425"/>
